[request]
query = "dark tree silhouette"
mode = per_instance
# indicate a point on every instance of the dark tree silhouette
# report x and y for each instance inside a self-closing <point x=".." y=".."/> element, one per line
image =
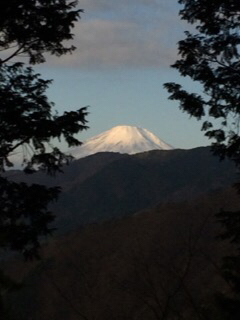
<point x="32" y="29"/>
<point x="211" y="57"/>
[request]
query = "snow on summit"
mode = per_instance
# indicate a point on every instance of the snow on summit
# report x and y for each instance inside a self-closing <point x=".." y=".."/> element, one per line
<point x="122" y="139"/>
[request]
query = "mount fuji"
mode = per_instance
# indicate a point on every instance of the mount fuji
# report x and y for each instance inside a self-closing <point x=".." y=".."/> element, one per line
<point x="121" y="139"/>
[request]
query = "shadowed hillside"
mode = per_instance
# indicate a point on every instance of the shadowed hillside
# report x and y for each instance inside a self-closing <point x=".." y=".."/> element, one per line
<point x="158" y="264"/>
<point x="107" y="186"/>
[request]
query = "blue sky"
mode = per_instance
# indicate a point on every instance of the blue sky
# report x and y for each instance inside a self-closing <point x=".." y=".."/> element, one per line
<point x="123" y="57"/>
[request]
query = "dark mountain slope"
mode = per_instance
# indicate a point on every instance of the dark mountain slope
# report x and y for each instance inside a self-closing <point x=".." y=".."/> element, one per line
<point x="110" y="185"/>
<point x="164" y="260"/>
<point x="75" y="173"/>
<point x="133" y="183"/>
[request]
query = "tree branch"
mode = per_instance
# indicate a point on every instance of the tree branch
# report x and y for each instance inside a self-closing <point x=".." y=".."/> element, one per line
<point x="13" y="54"/>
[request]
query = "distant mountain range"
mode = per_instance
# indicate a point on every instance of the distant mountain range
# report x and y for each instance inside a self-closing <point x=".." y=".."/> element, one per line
<point x="122" y="139"/>
<point x="138" y="234"/>
<point x="149" y="241"/>
<point x="109" y="185"/>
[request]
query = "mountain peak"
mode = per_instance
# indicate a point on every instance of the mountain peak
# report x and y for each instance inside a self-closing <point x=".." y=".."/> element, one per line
<point x="122" y="139"/>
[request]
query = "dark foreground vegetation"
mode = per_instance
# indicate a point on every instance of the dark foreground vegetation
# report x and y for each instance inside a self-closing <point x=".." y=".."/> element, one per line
<point x="163" y="263"/>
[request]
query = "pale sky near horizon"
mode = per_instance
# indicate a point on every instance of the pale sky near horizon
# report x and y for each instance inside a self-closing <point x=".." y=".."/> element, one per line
<point x="123" y="57"/>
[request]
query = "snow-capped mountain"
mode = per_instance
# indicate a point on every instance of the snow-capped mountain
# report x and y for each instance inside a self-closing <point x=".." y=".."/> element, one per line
<point x="122" y="139"/>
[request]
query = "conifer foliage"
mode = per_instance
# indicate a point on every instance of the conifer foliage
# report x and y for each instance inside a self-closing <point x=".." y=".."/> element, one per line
<point x="28" y="31"/>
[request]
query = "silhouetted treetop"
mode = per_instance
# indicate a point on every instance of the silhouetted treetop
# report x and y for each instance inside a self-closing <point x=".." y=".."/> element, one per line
<point x="211" y="57"/>
<point x="212" y="17"/>
<point x="27" y="120"/>
<point x="33" y="27"/>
